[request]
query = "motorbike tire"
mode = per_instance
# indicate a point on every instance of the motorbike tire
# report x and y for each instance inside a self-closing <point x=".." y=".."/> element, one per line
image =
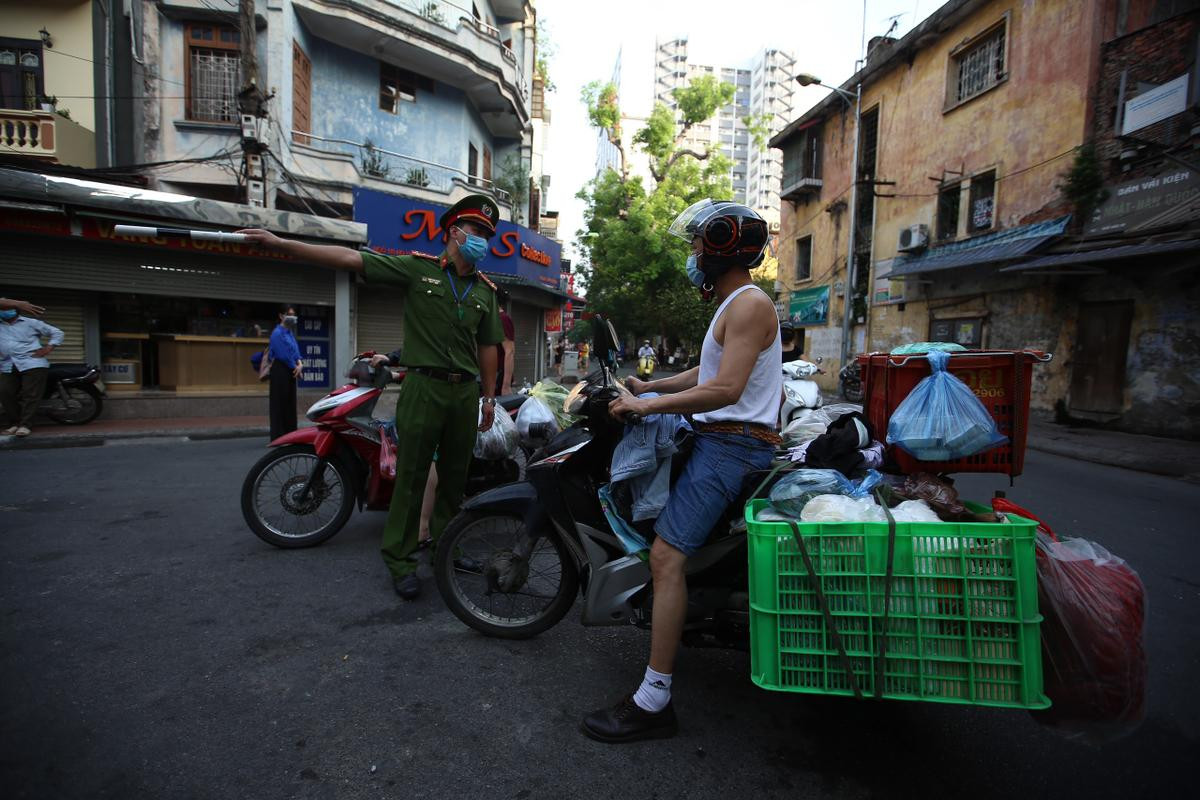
<point x="852" y="394"/>
<point x="264" y="532"/>
<point x="91" y="403"/>
<point x="443" y="569"/>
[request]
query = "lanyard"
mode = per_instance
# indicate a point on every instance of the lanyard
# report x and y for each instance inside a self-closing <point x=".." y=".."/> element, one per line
<point x="454" y="290"/>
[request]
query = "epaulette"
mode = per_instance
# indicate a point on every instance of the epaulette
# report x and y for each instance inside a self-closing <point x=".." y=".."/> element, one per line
<point x="486" y="280"/>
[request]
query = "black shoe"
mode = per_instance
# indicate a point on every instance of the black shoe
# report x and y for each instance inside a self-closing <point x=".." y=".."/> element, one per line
<point x="468" y="564"/>
<point x="629" y="722"/>
<point x="408" y="587"/>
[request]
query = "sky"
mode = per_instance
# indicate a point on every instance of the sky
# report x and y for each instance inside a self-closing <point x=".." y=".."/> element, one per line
<point x="824" y="36"/>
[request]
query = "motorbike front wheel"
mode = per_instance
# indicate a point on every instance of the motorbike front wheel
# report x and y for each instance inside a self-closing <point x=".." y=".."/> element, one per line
<point x="274" y="509"/>
<point x="491" y="589"/>
<point x="81" y="404"/>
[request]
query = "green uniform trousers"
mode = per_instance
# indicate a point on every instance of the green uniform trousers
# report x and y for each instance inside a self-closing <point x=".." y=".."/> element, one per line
<point x="431" y="415"/>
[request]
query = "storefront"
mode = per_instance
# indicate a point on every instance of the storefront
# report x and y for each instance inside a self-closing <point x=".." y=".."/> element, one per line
<point x="524" y="263"/>
<point x="165" y="314"/>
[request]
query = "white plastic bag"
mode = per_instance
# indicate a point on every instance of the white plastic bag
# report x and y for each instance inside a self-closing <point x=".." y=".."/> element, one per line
<point x="914" y="511"/>
<point x="799" y="431"/>
<point x="499" y="441"/>
<point x="534" y="412"/>
<point x="839" y="508"/>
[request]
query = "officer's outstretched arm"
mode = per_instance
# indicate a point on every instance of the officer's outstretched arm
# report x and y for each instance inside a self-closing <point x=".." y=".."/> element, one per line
<point x="323" y="255"/>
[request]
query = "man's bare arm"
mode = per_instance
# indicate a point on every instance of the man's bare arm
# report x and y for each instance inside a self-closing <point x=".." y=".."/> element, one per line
<point x="675" y="383"/>
<point x="323" y="255"/>
<point x="510" y="362"/>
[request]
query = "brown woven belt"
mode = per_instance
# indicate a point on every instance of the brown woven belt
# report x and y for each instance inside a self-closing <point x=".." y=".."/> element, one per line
<point x="758" y="431"/>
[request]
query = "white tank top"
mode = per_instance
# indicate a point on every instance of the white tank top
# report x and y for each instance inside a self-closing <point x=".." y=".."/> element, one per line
<point x="760" y="399"/>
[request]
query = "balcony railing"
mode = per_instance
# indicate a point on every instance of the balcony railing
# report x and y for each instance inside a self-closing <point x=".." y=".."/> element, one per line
<point x="400" y="168"/>
<point x="27" y="133"/>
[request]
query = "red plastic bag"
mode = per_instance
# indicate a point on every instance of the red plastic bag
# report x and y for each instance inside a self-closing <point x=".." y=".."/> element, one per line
<point x="1093" y="658"/>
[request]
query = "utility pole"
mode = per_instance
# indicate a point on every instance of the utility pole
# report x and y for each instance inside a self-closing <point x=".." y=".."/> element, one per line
<point x="847" y="295"/>
<point x="252" y="108"/>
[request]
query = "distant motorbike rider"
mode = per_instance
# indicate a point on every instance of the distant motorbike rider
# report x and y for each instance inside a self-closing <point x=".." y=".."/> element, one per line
<point x="646" y="351"/>
<point x="733" y="399"/>
<point x="792" y="349"/>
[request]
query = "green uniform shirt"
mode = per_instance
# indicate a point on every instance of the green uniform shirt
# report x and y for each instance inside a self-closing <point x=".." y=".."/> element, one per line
<point x="434" y="334"/>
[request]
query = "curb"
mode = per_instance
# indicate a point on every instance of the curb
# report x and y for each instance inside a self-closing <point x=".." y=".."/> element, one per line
<point x="100" y="439"/>
<point x="1123" y="460"/>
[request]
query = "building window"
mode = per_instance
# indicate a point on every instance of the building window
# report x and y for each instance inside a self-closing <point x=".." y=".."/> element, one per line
<point x="983" y="202"/>
<point x="472" y="164"/>
<point x="301" y="94"/>
<point x="396" y="84"/>
<point x="804" y="258"/>
<point x="214" y="72"/>
<point x="979" y="66"/>
<point x="947" y="212"/>
<point x="21" y="74"/>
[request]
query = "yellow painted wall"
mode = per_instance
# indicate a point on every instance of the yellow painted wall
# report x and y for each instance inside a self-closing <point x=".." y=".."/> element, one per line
<point x="69" y="77"/>
<point x="1038" y="113"/>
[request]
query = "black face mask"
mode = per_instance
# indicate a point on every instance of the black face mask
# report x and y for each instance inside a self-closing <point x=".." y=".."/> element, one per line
<point x="787" y="339"/>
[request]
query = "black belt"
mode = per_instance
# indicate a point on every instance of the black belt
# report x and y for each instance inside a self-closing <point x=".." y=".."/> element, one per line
<point x="447" y="375"/>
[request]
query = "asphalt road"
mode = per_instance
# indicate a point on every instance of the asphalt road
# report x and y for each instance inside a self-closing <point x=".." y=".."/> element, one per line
<point x="152" y="647"/>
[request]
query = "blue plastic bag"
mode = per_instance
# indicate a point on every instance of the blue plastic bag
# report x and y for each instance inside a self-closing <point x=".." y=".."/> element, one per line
<point x="795" y="489"/>
<point x="942" y="419"/>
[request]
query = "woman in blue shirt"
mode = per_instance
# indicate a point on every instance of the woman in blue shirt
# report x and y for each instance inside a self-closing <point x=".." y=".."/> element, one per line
<point x="285" y="369"/>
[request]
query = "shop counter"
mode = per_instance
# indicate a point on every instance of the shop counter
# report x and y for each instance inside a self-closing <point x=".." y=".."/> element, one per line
<point x="205" y="363"/>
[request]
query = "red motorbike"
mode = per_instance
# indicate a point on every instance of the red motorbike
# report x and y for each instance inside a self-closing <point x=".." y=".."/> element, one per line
<point x="304" y="489"/>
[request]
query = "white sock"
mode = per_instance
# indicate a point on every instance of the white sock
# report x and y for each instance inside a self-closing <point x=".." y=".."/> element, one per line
<point x="654" y="693"/>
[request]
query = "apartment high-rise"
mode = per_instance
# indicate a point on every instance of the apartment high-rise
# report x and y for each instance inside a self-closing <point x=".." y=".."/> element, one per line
<point x="763" y="91"/>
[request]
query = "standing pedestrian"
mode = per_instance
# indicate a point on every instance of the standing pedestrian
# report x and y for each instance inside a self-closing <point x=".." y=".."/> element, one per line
<point x="451" y="329"/>
<point x="286" y="366"/>
<point x="558" y="357"/>
<point x="506" y="351"/>
<point x="23" y="365"/>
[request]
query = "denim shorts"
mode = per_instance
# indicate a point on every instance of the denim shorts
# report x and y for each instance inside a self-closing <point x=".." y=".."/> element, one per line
<point x="712" y="479"/>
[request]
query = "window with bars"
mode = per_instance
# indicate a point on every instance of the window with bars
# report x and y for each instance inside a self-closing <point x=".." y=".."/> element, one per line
<point x="983" y="202"/>
<point x="980" y="66"/>
<point x="214" y="72"/>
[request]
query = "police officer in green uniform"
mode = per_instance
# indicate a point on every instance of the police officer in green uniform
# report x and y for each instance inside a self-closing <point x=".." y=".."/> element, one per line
<point x="451" y="329"/>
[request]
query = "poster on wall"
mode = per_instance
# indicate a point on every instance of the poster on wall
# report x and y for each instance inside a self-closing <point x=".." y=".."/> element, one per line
<point x="809" y="306"/>
<point x="886" y="290"/>
<point x="553" y="320"/>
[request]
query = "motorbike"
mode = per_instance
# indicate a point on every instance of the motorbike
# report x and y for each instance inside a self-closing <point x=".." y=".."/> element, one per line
<point x="71" y="396"/>
<point x="850" y="381"/>
<point x="304" y="489"/>
<point x="799" y="393"/>
<point x="645" y="368"/>
<point x="535" y="544"/>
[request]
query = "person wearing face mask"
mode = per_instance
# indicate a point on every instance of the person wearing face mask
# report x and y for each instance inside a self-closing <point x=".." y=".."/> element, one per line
<point x="23" y="364"/>
<point x="451" y="329"/>
<point x="733" y="399"/>
<point x="285" y="371"/>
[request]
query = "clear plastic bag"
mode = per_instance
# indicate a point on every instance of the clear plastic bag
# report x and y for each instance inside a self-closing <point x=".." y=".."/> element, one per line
<point x="536" y="415"/>
<point x="499" y="441"/>
<point x="553" y="395"/>
<point x="835" y="410"/>
<point x="800" y="431"/>
<point x="942" y="419"/>
<point x="795" y="489"/>
<point x="1094" y="660"/>
<point x="840" y="508"/>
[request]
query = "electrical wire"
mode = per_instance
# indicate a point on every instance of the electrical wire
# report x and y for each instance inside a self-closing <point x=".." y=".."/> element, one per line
<point x="55" y="50"/>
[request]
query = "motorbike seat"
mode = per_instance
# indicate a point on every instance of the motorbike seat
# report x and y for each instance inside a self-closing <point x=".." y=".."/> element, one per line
<point x="64" y="371"/>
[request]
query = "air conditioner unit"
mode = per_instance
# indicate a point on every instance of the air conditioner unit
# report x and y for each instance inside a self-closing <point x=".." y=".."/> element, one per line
<point x="914" y="237"/>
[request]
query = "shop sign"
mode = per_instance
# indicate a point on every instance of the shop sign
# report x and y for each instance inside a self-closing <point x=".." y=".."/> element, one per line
<point x="312" y="335"/>
<point x="402" y="225"/>
<point x="1155" y="105"/>
<point x="886" y="290"/>
<point x="809" y="306"/>
<point x="553" y="320"/>
<point x="1135" y="202"/>
<point x="120" y="371"/>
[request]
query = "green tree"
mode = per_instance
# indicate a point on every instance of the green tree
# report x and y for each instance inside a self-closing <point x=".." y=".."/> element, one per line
<point x="513" y="177"/>
<point x="633" y="269"/>
<point x="581" y="331"/>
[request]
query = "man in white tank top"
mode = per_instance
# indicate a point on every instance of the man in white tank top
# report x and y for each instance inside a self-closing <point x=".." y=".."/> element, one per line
<point x="733" y="398"/>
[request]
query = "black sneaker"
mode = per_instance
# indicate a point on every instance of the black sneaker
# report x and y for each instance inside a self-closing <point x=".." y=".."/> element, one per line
<point x="629" y="722"/>
<point x="468" y="564"/>
<point x="408" y="587"/>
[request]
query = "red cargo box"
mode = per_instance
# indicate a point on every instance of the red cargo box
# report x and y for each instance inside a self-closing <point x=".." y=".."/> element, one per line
<point x="999" y="378"/>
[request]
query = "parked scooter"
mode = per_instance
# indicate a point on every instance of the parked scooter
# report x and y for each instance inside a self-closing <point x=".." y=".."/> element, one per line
<point x="71" y="396"/>
<point x="539" y="539"/>
<point x="850" y="381"/>
<point x="799" y="392"/>
<point x="303" y="490"/>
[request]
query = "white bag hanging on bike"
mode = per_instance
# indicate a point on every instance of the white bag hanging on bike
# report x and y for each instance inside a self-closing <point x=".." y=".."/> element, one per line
<point x="499" y="441"/>
<point x="535" y="412"/>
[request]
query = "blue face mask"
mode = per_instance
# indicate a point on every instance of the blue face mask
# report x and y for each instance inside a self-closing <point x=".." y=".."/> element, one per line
<point x="8" y="313"/>
<point x="474" y="248"/>
<point x="693" y="272"/>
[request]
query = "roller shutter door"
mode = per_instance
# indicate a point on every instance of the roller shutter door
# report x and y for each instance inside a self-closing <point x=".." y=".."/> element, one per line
<point x="72" y="264"/>
<point x="379" y="319"/>
<point x="65" y="311"/>
<point x="527" y="324"/>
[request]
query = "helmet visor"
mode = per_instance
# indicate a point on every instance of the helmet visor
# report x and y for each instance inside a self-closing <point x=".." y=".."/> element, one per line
<point x="687" y="225"/>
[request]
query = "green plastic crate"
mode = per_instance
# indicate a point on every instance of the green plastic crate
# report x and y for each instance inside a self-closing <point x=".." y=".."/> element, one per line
<point x="963" y="625"/>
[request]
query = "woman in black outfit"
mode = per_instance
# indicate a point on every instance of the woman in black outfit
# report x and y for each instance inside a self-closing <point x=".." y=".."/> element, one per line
<point x="285" y="369"/>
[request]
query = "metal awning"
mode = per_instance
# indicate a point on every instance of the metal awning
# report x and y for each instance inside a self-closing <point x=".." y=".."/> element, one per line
<point x="994" y="247"/>
<point x="520" y="280"/>
<point x="1118" y="253"/>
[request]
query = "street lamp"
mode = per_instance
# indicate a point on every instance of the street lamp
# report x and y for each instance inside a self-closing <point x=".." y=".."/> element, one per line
<point x="804" y="79"/>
